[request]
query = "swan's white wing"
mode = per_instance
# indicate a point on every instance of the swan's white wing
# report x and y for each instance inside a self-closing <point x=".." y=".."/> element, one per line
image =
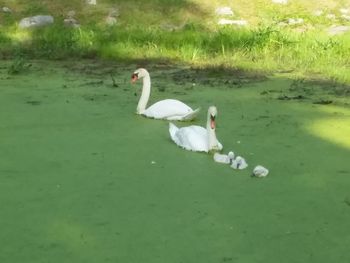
<point x="193" y="138"/>
<point x="172" y="130"/>
<point x="168" y="109"/>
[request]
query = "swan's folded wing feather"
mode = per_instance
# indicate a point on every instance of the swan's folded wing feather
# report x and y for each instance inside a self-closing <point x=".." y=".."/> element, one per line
<point x="168" y="109"/>
<point x="193" y="138"/>
<point x="172" y="130"/>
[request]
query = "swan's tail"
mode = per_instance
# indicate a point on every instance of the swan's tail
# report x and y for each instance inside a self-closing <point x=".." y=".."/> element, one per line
<point x="192" y="115"/>
<point x="172" y="130"/>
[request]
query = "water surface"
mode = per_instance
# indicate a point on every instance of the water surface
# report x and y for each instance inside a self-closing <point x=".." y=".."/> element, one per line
<point x="84" y="179"/>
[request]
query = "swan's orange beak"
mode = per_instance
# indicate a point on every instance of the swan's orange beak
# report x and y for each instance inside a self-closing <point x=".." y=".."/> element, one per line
<point x="134" y="78"/>
<point x="212" y="122"/>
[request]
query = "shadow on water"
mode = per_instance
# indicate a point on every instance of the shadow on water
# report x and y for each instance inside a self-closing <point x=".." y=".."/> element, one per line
<point x="82" y="175"/>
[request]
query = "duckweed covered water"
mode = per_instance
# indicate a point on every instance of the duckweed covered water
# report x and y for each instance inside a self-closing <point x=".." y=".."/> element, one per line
<point x="84" y="179"/>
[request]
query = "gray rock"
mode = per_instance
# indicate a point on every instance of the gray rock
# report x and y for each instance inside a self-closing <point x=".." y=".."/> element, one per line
<point x="171" y="27"/>
<point x="224" y="21"/>
<point x="36" y="21"/>
<point x="344" y="11"/>
<point x="318" y="13"/>
<point x="281" y="2"/>
<point x="71" y="14"/>
<point x="6" y="10"/>
<point x="91" y="2"/>
<point x="338" y="30"/>
<point x="331" y="16"/>
<point x="346" y="17"/>
<point x="224" y="11"/>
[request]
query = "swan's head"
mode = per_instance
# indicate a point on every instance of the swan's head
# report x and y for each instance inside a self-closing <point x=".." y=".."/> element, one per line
<point x="139" y="74"/>
<point x="212" y="112"/>
<point x="231" y="155"/>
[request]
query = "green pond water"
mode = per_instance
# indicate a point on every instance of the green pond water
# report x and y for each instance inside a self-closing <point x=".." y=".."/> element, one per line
<point x="85" y="179"/>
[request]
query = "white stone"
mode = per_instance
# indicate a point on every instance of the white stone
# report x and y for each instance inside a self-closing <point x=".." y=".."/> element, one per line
<point x="6" y="10"/>
<point x="331" y="16"/>
<point x="91" y="2"/>
<point x="71" y="22"/>
<point x="224" y="21"/>
<point x="71" y="14"/>
<point x="260" y="171"/>
<point x="338" y="30"/>
<point x="172" y="27"/>
<point x="295" y="21"/>
<point x="344" y="11"/>
<point x="283" y="24"/>
<point x="318" y="13"/>
<point x="282" y="2"/>
<point x="224" y="11"/>
<point x="346" y="17"/>
<point x="36" y="21"/>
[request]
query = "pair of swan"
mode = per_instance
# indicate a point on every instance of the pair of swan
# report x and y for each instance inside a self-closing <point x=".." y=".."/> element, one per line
<point x="193" y="138"/>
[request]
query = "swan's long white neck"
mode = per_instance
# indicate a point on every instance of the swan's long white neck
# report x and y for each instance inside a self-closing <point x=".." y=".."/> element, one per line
<point x="212" y="140"/>
<point x="146" y="91"/>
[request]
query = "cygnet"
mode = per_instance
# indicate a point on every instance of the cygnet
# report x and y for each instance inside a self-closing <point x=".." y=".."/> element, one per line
<point x="260" y="171"/>
<point x="224" y="158"/>
<point x="239" y="163"/>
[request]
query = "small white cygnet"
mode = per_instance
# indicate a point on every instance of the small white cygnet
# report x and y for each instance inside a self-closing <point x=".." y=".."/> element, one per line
<point x="223" y="158"/>
<point x="239" y="163"/>
<point x="260" y="171"/>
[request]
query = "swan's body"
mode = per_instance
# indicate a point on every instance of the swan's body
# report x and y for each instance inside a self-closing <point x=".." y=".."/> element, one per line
<point x="197" y="138"/>
<point x="168" y="109"/>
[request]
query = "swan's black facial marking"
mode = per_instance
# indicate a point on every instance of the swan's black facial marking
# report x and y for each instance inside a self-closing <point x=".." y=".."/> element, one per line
<point x="212" y="121"/>
<point x="134" y="77"/>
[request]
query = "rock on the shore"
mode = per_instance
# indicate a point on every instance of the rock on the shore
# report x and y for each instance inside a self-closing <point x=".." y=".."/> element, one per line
<point x="91" y="2"/>
<point x="36" y="21"/>
<point x="6" y="10"/>
<point x="224" y="11"/>
<point x="224" y="21"/>
<point x="281" y="2"/>
<point x="338" y="30"/>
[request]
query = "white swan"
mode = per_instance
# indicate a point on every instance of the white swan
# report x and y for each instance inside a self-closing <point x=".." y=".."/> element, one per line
<point x="197" y="138"/>
<point x="168" y="109"/>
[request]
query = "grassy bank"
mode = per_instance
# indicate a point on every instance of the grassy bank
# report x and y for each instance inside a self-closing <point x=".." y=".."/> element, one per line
<point x="187" y="32"/>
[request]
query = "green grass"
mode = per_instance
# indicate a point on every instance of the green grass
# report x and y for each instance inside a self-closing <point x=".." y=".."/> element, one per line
<point x="139" y="34"/>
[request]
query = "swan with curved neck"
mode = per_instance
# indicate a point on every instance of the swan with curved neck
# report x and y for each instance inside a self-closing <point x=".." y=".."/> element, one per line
<point x="197" y="138"/>
<point x="168" y="109"/>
